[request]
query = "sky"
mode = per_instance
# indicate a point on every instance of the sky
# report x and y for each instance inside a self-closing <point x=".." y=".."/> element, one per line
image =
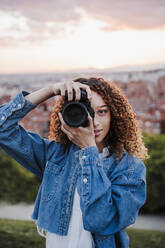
<point x="61" y="35"/>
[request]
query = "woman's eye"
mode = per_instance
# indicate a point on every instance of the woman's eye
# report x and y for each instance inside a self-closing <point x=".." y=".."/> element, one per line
<point x="103" y="111"/>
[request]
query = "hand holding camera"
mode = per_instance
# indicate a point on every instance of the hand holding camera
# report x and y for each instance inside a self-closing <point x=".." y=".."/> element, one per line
<point x="61" y="88"/>
<point x="77" y="104"/>
<point x="77" y="115"/>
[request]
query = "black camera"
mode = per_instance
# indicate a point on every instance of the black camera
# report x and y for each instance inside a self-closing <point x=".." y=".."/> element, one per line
<point x="75" y="113"/>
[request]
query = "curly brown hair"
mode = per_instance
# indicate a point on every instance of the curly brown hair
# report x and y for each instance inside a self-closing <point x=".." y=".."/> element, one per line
<point x="124" y="134"/>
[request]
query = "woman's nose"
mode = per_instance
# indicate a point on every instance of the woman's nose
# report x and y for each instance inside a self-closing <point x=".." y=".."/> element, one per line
<point x="95" y="121"/>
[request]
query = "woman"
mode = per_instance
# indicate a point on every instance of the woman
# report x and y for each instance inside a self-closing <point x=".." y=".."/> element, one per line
<point x="93" y="177"/>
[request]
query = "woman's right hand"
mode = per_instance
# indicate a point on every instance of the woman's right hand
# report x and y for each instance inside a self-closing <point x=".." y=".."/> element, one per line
<point x="60" y="88"/>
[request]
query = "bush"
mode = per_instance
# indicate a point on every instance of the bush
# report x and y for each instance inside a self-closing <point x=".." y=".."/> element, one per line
<point x="17" y="184"/>
<point x="155" y="173"/>
<point x="19" y="234"/>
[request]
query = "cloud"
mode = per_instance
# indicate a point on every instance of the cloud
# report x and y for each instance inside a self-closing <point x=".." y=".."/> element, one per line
<point x="136" y="14"/>
<point x="46" y="20"/>
<point x="41" y="10"/>
<point x="42" y="19"/>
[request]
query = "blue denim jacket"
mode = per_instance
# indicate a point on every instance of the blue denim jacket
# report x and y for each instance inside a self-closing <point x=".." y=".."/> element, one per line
<point x="110" y="196"/>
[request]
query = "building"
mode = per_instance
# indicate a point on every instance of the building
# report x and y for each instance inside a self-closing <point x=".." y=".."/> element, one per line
<point x="147" y="100"/>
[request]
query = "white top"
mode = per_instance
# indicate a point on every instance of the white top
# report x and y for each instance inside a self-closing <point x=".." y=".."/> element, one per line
<point x="77" y="237"/>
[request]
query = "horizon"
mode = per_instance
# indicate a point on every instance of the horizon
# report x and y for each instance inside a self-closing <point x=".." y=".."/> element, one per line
<point x="119" y="69"/>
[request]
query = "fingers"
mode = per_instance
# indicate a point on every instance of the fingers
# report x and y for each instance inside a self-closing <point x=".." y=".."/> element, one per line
<point x="61" y="119"/>
<point x="88" y="90"/>
<point x="75" y="134"/>
<point x="74" y="86"/>
<point x="64" y="127"/>
<point x="70" y="93"/>
<point x="78" y="93"/>
<point x="90" y="121"/>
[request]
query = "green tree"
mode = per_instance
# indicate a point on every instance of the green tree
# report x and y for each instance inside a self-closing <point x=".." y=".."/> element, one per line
<point x="17" y="184"/>
<point x="155" y="173"/>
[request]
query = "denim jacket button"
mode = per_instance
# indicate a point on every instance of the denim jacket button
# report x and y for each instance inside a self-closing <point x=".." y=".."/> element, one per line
<point x="132" y="219"/>
<point x="2" y="118"/>
<point x="83" y="157"/>
<point x="19" y="105"/>
<point x="85" y="180"/>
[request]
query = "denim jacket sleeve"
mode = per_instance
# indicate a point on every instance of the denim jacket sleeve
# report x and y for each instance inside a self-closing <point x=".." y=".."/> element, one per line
<point x="110" y="202"/>
<point x="27" y="148"/>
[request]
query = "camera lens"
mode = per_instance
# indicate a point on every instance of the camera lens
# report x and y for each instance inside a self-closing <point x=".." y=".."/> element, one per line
<point x="75" y="114"/>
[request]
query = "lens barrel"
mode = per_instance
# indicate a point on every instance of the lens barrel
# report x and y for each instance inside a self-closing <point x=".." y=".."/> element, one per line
<point x="75" y="113"/>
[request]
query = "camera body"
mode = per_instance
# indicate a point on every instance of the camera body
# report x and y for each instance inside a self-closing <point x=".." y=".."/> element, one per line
<point x="75" y="113"/>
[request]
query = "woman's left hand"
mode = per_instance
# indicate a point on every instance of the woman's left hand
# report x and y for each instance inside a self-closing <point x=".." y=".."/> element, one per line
<point x="80" y="136"/>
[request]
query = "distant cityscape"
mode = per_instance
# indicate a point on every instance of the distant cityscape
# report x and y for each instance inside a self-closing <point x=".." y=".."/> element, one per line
<point x="144" y="89"/>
